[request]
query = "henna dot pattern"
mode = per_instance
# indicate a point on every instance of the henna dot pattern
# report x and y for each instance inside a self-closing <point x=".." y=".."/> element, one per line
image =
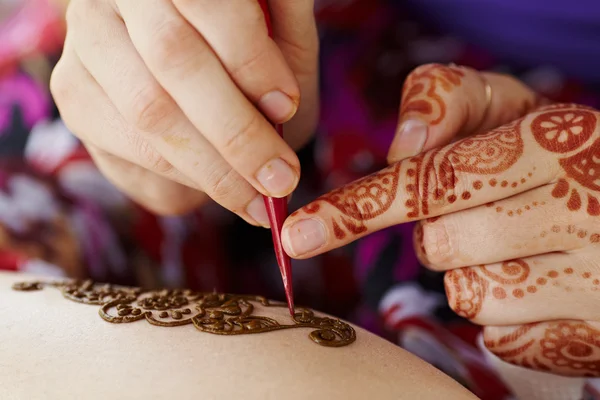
<point x="468" y="288"/>
<point x="216" y="313"/>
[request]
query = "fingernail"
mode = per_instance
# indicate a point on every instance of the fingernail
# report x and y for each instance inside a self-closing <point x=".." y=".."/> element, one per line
<point x="277" y="177"/>
<point x="410" y="140"/>
<point x="303" y="237"/>
<point x="257" y="210"/>
<point x="277" y="106"/>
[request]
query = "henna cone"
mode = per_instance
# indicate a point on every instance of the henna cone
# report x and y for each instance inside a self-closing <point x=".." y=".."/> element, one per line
<point x="278" y="212"/>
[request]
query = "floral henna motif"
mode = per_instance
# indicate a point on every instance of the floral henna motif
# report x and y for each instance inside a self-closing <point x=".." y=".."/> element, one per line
<point x="365" y="199"/>
<point x="216" y="313"/>
<point x="420" y="94"/>
<point x="565" y="131"/>
<point x="569" y="348"/>
<point x="433" y="177"/>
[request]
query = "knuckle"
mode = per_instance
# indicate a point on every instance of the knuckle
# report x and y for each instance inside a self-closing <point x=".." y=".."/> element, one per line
<point x="436" y="246"/>
<point x="150" y="158"/>
<point x="223" y="186"/>
<point x="248" y="63"/>
<point x="78" y="10"/>
<point x="150" y="108"/>
<point x="60" y="86"/>
<point x="239" y="132"/>
<point x="172" y="47"/>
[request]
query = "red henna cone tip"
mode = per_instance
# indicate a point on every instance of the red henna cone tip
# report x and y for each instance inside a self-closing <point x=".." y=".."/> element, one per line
<point x="277" y="211"/>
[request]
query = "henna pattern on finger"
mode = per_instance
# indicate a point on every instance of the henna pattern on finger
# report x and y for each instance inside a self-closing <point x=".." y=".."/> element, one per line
<point x="570" y="348"/>
<point x="360" y="201"/>
<point x="521" y="210"/>
<point x="572" y="230"/>
<point x="420" y="93"/>
<point x="565" y="131"/>
<point x="468" y="288"/>
<point x="433" y="176"/>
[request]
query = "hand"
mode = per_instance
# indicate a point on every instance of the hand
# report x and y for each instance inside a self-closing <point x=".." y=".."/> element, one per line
<point x="168" y="96"/>
<point x="511" y="214"/>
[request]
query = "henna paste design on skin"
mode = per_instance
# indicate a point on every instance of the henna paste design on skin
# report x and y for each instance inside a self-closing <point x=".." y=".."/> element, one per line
<point x="573" y="230"/>
<point x="433" y="177"/>
<point x="425" y="81"/>
<point x="216" y="313"/>
<point x="362" y="200"/>
<point x="467" y="288"/>
<point x="570" y="348"/>
<point x="565" y="131"/>
<point x="520" y="211"/>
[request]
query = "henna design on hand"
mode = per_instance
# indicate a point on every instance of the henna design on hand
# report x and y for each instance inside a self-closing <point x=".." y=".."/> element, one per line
<point x="426" y="81"/>
<point x="467" y="288"/>
<point x="360" y="201"/>
<point x="433" y="176"/>
<point x="565" y="131"/>
<point x="569" y="348"/>
<point x="521" y="210"/>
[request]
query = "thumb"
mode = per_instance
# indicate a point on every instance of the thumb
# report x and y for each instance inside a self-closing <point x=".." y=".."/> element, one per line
<point x="295" y="32"/>
<point x="441" y="102"/>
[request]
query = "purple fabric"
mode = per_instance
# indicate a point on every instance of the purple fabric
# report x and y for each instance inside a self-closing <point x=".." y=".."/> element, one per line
<point x="561" y="33"/>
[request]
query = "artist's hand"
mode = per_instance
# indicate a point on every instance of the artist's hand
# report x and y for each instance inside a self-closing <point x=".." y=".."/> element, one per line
<point x="513" y="214"/>
<point x="168" y="96"/>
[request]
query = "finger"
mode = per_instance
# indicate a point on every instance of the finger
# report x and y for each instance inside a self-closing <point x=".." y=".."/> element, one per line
<point x="553" y="146"/>
<point x="133" y="90"/>
<point x="252" y="59"/>
<point x="527" y="224"/>
<point x="187" y="68"/>
<point x="90" y="115"/>
<point x="157" y="194"/>
<point x="564" y="347"/>
<point x="524" y="290"/>
<point x="441" y="102"/>
<point x="295" y="32"/>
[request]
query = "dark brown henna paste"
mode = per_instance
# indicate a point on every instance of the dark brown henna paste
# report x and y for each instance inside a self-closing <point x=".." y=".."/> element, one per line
<point x="365" y="199"/>
<point x="216" y="313"/>
<point x="569" y="348"/>
<point x="420" y="93"/>
<point x="433" y="177"/>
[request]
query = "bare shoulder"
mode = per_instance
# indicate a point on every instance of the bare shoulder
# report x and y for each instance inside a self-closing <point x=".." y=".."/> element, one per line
<point x="85" y="340"/>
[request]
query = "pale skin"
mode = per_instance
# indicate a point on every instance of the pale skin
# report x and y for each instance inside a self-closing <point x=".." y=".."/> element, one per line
<point x="512" y="213"/>
<point x="56" y="348"/>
